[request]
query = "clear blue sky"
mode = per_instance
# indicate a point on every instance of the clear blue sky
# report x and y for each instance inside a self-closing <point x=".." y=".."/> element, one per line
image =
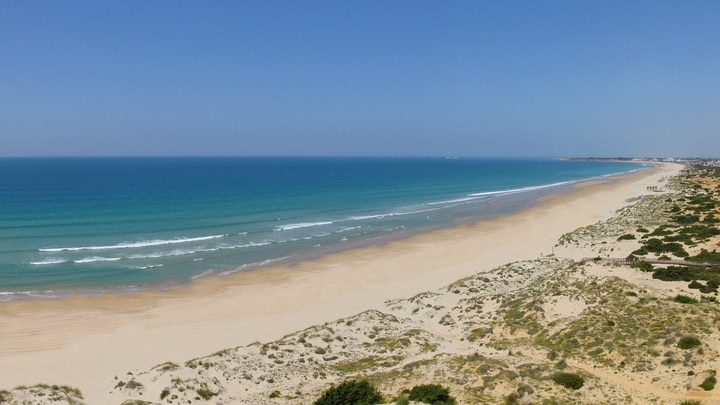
<point x="470" y="78"/>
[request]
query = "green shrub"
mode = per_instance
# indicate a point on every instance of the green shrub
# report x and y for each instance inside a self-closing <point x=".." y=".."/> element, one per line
<point x="673" y="273"/>
<point x="709" y="383"/>
<point x="684" y="299"/>
<point x="688" y="342"/>
<point x="569" y="380"/>
<point x="431" y="394"/>
<point x="512" y="399"/>
<point x="685" y="219"/>
<point x="639" y="252"/>
<point x="352" y="392"/>
<point x="705" y="256"/>
<point x="165" y="392"/>
<point x="205" y="393"/>
<point x="655" y="245"/>
<point x="642" y="265"/>
<point x="690" y="402"/>
<point x="708" y="290"/>
<point x="402" y="399"/>
<point x="695" y="285"/>
<point x="627" y="236"/>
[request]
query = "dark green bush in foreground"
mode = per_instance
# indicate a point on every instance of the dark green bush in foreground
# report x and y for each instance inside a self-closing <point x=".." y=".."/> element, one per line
<point x="690" y="402"/>
<point x="642" y="265"/>
<point x="431" y="394"/>
<point x="684" y="299"/>
<point x="674" y="273"/>
<point x="569" y="380"/>
<point x="709" y="383"/>
<point x="705" y="256"/>
<point x="352" y="392"/>
<point x="688" y="342"/>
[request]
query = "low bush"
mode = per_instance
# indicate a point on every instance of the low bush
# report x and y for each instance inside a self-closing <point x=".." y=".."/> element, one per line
<point x="673" y="273"/>
<point x="433" y="394"/>
<point x="684" y="299"/>
<point x="655" y="245"/>
<point x="706" y="289"/>
<point x="685" y="219"/>
<point x="205" y="393"/>
<point x="569" y="380"/>
<point x="705" y="257"/>
<point x="402" y="399"/>
<point x="352" y="392"/>
<point x="627" y="236"/>
<point x="688" y="342"/>
<point x="642" y="265"/>
<point x="639" y="252"/>
<point x="709" y="383"/>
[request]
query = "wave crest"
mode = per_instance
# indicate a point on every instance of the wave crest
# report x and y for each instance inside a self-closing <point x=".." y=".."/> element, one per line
<point x="130" y="245"/>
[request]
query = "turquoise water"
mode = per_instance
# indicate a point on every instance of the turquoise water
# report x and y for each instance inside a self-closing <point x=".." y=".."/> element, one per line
<point x="70" y="225"/>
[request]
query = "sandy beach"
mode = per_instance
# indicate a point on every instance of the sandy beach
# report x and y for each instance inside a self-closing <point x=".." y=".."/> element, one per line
<point x="87" y="341"/>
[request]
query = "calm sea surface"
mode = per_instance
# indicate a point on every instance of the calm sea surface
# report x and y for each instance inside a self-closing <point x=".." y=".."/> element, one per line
<point x="70" y="225"/>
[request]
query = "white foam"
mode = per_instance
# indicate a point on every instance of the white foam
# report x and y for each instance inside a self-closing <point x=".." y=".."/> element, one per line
<point x="244" y="266"/>
<point x="176" y="252"/>
<point x="98" y="259"/>
<point x="203" y="274"/>
<point x="51" y="260"/>
<point x="152" y="266"/>
<point x="251" y="244"/>
<point x="457" y="200"/>
<point x="128" y="245"/>
<point x="521" y="190"/>
<point x="390" y="214"/>
<point x="13" y="295"/>
<point x="361" y="217"/>
<point x="301" y="225"/>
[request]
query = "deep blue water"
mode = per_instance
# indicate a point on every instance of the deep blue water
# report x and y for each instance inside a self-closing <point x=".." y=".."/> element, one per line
<point x="91" y="224"/>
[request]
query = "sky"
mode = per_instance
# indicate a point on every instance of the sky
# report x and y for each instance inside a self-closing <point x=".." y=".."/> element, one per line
<point x="370" y="78"/>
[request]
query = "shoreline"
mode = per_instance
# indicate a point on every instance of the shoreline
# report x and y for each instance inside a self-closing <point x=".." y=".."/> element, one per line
<point x="86" y="340"/>
<point x="518" y="200"/>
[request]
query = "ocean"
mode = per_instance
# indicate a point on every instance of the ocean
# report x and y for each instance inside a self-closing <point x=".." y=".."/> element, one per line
<point x="98" y="225"/>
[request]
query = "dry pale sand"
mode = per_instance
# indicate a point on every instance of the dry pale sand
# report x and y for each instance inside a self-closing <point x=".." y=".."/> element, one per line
<point x="85" y="341"/>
